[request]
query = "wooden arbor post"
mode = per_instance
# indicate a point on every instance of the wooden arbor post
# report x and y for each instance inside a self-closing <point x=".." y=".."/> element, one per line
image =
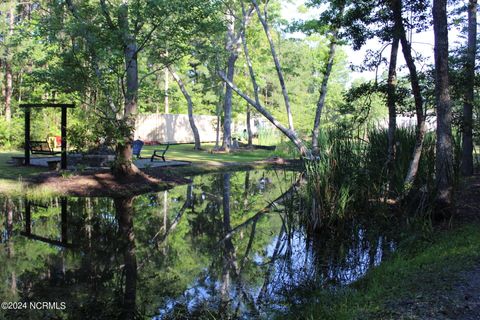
<point x="27" y="136"/>
<point x="64" y="139"/>
<point x="63" y="128"/>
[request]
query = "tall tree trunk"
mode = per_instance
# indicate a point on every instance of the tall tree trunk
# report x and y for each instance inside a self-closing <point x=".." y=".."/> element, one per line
<point x="444" y="153"/>
<point x="266" y="28"/>
<point x="392" y="110"/>
<point x="218" y="112"/>
<point x="231" y="48"/>
<point x="8" y="90"/>
<point x="249" y="126"/>
<point x="185" y="93"/>
<point x="167" y="105"/>
<point x="323" y="93"/>
<point x="417" y="94"/>
<point x="250" y="69"/>
<point x="289" y="133"/>
<point x="467" y="139"/>
<point x="123" y="164"/>
<point x="227" y="106"/>
<point x="8" y="66"/>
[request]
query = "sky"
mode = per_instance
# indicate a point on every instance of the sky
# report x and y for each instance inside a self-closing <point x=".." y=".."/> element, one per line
<point x="422" y="43"/>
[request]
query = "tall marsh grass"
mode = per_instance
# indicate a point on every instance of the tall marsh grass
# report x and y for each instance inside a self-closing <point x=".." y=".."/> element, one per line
<point x="331" y="178"/>
<point x="268" y="137"/>
<point x="351" y="174"/>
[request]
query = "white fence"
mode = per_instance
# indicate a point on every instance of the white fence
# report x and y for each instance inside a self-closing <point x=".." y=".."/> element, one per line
<point x="174" y="128"/>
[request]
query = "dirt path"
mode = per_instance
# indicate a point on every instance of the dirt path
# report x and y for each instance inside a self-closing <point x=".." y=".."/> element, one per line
<point x="466" y="292"/>
<point x="460" y="298"/>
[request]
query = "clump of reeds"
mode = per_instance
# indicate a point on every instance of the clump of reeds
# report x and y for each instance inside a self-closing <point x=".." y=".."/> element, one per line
<point x="332" y="177"/>
<point x="352" y="174"/>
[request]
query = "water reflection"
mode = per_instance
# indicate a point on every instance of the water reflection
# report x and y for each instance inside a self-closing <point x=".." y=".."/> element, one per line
<point x="226" y="246"/>
<point x="63" y="242"/>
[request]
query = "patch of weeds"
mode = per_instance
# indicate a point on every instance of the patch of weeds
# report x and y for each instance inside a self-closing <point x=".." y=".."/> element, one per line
<point x="66" y="174"/>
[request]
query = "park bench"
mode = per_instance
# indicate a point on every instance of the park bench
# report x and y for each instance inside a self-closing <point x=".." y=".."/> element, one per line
<point x="42" y="147"/>
<point x="160" y="153"/>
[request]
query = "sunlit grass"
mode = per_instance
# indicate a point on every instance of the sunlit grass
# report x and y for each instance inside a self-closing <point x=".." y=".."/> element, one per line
<point x="11" y="172"/>
<point x="187" y="153"/>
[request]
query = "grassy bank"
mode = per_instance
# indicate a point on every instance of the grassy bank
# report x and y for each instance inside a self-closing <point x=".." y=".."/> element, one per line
<point x="12" y="178"/>
<point x="414" y="283"/>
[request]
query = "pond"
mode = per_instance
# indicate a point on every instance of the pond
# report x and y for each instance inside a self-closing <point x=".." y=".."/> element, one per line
<point x="227" y="245"/>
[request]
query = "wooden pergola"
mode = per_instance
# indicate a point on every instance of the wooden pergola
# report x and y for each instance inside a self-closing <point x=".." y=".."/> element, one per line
<point x="28" y="107"/>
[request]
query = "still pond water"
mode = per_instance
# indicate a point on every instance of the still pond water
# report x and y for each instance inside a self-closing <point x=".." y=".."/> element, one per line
<point x="226" y="246"/>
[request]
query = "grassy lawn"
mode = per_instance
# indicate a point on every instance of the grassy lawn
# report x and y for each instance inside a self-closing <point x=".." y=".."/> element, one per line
<point x="186" y="152"/>
<point x="10" y="172"/>
<point x="419" y="277"/>
<point x="11" y="176"/>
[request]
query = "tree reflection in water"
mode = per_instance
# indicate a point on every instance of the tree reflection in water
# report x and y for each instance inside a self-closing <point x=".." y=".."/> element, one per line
<point x="228" y="245"/>
<point x="126" y="243"/>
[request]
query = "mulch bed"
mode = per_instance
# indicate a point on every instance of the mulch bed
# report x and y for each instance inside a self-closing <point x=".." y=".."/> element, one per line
<point x="104" y="184"/>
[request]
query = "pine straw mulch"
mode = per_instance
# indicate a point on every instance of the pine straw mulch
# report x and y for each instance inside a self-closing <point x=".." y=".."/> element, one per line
<point x="103" y="183"/>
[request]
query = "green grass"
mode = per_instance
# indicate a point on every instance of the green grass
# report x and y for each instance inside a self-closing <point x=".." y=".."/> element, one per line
<point x="186" y="152"/>
<point x="11" y="176"/>
<point x="416" y="276"/>
<point x="11" y="172"/>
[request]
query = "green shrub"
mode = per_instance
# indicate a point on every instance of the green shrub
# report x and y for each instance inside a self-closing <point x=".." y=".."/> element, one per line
<point x="11" y="134"/>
